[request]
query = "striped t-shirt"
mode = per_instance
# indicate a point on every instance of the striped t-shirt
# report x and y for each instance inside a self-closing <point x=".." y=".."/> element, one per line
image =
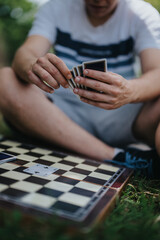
<point x="134" y="26"/>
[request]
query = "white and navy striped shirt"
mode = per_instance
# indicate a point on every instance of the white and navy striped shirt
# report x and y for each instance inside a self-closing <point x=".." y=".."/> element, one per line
<point x="134" y="26"/>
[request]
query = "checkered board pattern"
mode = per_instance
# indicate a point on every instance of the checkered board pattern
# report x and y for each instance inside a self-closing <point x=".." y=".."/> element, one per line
<point x="80" y="190"/>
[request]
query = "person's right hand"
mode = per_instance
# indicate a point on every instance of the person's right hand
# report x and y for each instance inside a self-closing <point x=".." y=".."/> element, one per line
<point x="48" y="73"/>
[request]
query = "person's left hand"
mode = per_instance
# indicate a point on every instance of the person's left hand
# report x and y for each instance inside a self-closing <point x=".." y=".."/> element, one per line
<point x="114" y="91"/>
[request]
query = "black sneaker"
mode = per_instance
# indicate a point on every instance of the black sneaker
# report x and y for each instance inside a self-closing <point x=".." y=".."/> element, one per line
<point x="147" y="163"/>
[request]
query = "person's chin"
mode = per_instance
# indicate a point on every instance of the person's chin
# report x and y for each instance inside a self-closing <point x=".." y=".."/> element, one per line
<point x="99" y="15"/>
<point x="99" y="12"/>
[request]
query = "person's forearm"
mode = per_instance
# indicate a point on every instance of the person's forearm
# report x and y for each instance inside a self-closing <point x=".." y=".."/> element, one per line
<point x="34" y="64"/>
<point x="146" y="87"/>
<point x="23" y="61"/>
<point x="33" y="48"/>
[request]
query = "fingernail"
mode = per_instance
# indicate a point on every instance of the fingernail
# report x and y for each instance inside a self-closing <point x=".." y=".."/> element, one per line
<point x="66" y="86"/>
<point x="69" y="76"/>
<point x="77" y="79"/>
<point x="85" y="72"/>
<point x="75" y="90"/>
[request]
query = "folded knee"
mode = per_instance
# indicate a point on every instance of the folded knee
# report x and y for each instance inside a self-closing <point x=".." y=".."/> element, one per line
<point x="6" y="72"/>
<point x="7" y="89"/>
<point x="155" y="110"/>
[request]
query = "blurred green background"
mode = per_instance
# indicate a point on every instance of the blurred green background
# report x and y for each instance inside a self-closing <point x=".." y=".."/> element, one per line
<point x="16" y="17"/>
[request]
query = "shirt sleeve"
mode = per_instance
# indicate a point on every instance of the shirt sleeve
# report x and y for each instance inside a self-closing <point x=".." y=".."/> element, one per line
<point x="147" y="30"/>
<point x="45" y="22"/>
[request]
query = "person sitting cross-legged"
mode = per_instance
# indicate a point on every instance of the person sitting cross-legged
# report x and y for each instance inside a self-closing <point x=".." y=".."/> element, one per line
<point x="124" y="108"/>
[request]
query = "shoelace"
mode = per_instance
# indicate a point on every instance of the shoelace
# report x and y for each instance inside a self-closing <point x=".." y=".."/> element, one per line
<point x="139" y="164"/>
<point x="136" y="163"/>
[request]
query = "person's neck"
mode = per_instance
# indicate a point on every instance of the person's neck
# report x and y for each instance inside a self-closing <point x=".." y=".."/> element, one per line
<point x="97" y="22"/>
<point x="100" y="21"/>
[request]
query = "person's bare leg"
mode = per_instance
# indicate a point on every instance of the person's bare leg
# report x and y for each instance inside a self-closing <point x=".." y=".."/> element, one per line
<point x="147" y="125"/>
<point x="27" y="108"/>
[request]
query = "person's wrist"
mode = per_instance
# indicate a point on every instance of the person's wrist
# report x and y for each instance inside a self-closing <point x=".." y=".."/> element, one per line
<point x="133" y="87"/>
<point x="28" y="70"/>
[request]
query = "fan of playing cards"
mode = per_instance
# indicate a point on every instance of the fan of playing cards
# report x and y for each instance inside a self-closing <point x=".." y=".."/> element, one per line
<point x="98" y="65"/>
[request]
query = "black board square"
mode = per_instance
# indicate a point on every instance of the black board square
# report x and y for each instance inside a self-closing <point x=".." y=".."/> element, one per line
<point x="94" y="180"/>
<point x="50" y="192"/>
<point x="82" y="192"/>
<point x="11" y="192"/>
<point x="67" y="207"/>
<point x="66" y="180"/>
<point x="7" y="181"/>
<point x="37" y="180"/>
<point x="44" y="162"/>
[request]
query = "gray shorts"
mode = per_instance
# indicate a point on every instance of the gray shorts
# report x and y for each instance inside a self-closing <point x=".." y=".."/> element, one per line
<point x="114" y="127"/>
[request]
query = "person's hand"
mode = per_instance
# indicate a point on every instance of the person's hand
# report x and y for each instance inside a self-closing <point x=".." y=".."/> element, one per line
<point x="113" y="90"/>
<point x="49" y="72"/>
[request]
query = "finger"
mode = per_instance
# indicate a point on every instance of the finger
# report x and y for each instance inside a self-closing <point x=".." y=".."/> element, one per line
<point x="98" y="97"/>
<point x="98" y="104"/>
<point x="53" y="71"/>
<point x="96" y="85"/>
<point x="45" y="76"/>
<point x="35" y="80"/>
<point x="60" y="65"/>
<point x="106" y="77"/>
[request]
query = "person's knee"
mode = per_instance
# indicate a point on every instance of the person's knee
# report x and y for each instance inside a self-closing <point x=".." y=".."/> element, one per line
<point x="7" y="90"/>
<point x="150" y="114"/>
<point x="157" y="108"/>
<point x="5" y="77"/>
<point x="6" y="74"/>
<point x="147" y="121"/>
<point x="15" y="94"/>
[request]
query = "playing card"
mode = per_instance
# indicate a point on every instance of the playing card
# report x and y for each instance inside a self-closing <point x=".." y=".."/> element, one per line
<point x="40" y="170"/>
<point x="80" y="70"/>
<point x="70" y="84"/>
<point x="5" y="157"/>
<point x="98" y="65"/>
<point x="72" y="79"/>
<point x="75" y="73"/>
<point x="80" y="73"/>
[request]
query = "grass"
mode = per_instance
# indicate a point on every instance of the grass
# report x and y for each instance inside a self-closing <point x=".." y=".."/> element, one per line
<point x="136" y="216"/>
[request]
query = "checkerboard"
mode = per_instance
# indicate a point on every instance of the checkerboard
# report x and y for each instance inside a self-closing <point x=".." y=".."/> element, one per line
<point x="81" y="190"/>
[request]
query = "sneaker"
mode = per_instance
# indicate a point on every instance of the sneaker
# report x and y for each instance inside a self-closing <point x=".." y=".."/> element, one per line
<point x="146" y="163"/>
